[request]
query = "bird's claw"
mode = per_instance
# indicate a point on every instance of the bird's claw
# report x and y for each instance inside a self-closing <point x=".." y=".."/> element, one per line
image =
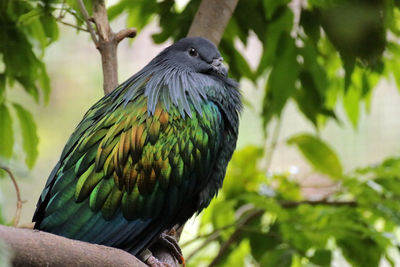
<point x="154" y="262"/>
<point x="167" y="240"/>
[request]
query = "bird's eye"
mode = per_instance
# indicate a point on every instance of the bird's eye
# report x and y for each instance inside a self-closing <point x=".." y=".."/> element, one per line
<point x="193" y="52"/>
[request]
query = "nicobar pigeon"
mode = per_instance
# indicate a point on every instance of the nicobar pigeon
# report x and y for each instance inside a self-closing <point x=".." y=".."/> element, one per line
<point x="147" y="156"/>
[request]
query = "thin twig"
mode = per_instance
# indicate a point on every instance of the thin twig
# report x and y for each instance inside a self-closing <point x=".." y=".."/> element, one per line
<point x="88" y="23"/>
<point x="61" y="14"/>
<point x="125" y="33"/>
<point x="74" y="14"/>
<point x="19" y="200"/>
<point x="71" y="25"/>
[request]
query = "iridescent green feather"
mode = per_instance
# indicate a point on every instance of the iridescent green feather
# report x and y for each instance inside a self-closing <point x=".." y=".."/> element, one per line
<point x="131" y="162"/>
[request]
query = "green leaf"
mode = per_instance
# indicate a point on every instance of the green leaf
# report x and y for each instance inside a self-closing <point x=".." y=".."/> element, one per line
<point x="44" y="82"/>
<point x="275" y="29"/>
<point x="30" y="16"/>
<point x="270" y="6"/>
<point x="348" y="65"/>
<point x="50" y="28"/>
<point x="30" y="139"/>
<point x="242" y="174"/>
<point x="351" y="102"/>
<point x="281" y="82"/>
<point x="238" y="256"/>
<point x="308" y="97"/>
<point x="278" y="257"/>
<point x="309" y="20"/>
<point x="223" y="214"/>
<point x="6" y="132"/>
<point x="262" y="241"/>
<point x="319" y="154"/>
<point x="361" y="251"/>
<point x="238" y="65"/>
<point x="322" y="257"/>
<point x="2" y="87"/>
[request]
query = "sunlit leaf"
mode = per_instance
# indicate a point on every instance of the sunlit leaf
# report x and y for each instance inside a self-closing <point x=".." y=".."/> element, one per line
<point x="242" y="173"/>
<point x="275" y="29"/>
<point x="319" y="154"/>
<point x="278" y="257"/>
<point x="281" y="82"/>
<point x="6" y="132"/>
<point x="2" y="87"/>
<point x="322" y="257"/>
<point x="30" y="139"/>
<point x="30" y="16"/>
<point x="351" y="102"/>
<point x="238" y="256"/>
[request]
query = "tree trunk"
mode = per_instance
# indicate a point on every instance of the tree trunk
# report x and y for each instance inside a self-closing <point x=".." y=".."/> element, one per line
<point x="212" y="18"/>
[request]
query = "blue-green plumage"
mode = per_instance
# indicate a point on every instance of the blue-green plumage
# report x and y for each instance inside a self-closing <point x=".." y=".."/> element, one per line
<point x="148" y="155"/>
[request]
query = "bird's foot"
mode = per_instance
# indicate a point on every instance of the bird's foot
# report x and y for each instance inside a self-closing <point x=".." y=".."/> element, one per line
<point x="154" y="262"/>
<point x="168" y="240"/>
<point x="170" y="247"/>
<point x="147" y="257"/>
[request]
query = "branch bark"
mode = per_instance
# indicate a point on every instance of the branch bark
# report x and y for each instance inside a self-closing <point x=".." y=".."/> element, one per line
<point x="35" y="249"/>
<point x="106" y="41"/>
<point x="211" y="19"/>
<point x="19" y="200"/>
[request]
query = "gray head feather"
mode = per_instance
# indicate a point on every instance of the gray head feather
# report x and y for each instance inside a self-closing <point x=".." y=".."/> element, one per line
<point x="177" y="77"/>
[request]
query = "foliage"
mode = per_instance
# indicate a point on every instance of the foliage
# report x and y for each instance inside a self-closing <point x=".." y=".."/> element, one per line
<point x="318" y="154"/>
<point x="26" y="30"/>
<point x="287" y="230"/>
<point x="321" y="55"/>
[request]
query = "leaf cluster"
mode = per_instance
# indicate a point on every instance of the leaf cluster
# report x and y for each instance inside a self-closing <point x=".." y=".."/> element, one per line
<point x="26" y="29"/>
<point x="264" y="219"/>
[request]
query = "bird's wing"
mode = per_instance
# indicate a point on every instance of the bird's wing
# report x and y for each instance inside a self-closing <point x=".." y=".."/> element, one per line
<point x="124" y="173"/>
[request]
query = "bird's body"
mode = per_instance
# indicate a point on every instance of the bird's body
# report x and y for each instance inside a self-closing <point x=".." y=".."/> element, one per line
<point x="148" y="155"/>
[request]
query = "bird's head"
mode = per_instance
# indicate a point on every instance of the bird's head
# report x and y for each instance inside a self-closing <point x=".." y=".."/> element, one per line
<point x="184" y="75"/>
<point x="195" y="54"/>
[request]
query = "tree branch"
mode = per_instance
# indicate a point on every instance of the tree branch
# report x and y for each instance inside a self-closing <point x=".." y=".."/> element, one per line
<point x="87" y="20"/>
<point x="106" y="41"/>
<point x="35" y="248"/>
<point x="211" y="19"/>
<point x="71" y="25"/>
<point x="19" y="200"/>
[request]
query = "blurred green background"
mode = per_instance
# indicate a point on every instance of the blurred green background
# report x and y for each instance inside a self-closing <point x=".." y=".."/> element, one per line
<point x="363" y="131"/>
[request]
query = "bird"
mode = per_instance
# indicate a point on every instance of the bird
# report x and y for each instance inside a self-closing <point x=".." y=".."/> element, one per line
<point x="147" y="156"/>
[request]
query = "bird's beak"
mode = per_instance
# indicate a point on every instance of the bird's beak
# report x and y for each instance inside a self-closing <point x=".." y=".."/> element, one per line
<point x="219" y="67"/>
